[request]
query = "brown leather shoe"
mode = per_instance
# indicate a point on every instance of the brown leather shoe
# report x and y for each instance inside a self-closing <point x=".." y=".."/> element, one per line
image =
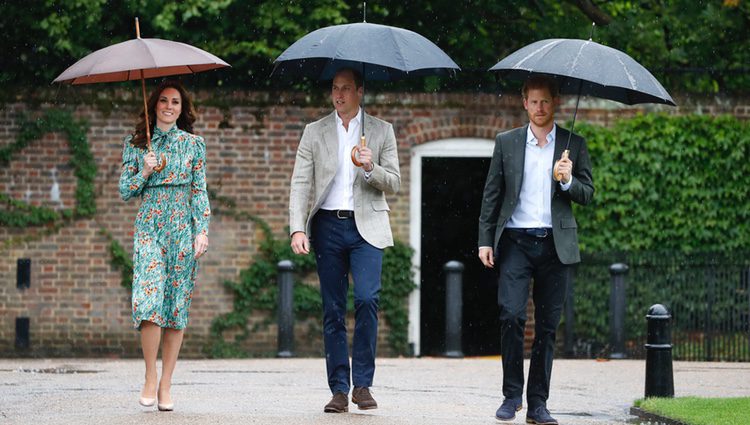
<point x="339" y="404"/>
<point x="363" y="399"/>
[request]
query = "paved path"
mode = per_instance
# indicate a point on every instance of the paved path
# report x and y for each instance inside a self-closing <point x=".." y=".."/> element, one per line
<point x="293" y="391"/>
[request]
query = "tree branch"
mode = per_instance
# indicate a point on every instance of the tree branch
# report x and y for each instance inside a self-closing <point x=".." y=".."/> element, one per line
<point x="592" y="11"/>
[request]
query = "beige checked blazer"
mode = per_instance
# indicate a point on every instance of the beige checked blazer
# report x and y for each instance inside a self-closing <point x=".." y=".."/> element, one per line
<point x="315" y="167"/>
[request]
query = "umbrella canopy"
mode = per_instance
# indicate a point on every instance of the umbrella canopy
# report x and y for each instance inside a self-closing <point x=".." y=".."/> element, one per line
<point x="588" y="68"/>
<point x="379" y="52"/>
<point x="139" y="58"/>
<point x="384" y="53"/>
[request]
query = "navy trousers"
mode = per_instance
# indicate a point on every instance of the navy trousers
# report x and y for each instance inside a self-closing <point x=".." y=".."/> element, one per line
<point x="522" y="257"/>
<point x="339" y="249"/>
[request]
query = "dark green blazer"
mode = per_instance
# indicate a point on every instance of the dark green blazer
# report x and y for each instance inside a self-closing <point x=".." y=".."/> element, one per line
<point x="503" y="187"/>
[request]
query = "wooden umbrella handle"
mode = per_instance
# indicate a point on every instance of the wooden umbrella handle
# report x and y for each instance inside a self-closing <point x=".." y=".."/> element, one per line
<point x="163" y="160"/>
<point x="555" y="171"/>
<point x="355" y="151"/>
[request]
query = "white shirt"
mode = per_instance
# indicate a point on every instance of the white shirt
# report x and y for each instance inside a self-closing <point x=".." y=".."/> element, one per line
<point x="534" y="202"/>
<point x="341" y="195"/>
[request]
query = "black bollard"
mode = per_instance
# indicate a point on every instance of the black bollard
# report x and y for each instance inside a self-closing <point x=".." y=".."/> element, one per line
<point x="659" y="379"/>
<point x="618" y="271"/>
<point x="286" y="308"/>
<point x="453" y="308"/>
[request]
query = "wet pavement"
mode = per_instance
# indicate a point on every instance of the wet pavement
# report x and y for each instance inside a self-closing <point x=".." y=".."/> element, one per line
<point x="294" y="391"/>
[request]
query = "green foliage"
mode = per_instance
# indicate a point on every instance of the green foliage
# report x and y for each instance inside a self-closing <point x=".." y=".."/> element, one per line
<point x="688" y="45"/>
<point x="700" y="411"/>
<point x="398" y="282"/>
<point x="728" y="347"/>
<point x="21" y="214"/>
<point x="672" y="202"/>
<point x="677" y="38"/>
<point x="697" y="289"/>
<point x="666" y="183"/>
<point x="257" y="290"/>
<point x="121" y="259"/>
<point x="47" y="37"/>
<point x="17" y="213"/>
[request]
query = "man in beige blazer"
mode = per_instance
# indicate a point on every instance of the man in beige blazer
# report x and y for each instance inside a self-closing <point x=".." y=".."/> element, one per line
<point x="342" y="211"/>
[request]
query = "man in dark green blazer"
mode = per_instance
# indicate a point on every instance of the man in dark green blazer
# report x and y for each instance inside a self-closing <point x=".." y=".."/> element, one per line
<point x="527" y="228"/>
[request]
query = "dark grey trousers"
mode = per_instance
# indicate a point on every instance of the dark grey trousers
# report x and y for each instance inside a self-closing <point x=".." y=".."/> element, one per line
<point x="521" y="258"/>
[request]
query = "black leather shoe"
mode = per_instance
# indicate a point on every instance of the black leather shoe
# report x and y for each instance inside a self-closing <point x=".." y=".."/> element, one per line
<point x="339" y="404"/>
<point x="507" y="410"/>
<point x="540" y="416"/>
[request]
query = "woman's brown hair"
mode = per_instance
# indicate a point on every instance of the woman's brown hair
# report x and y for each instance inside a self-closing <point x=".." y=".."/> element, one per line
<point x="184" y="122"/>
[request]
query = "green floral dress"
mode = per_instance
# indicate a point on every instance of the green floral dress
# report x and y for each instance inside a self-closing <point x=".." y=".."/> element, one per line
<point x="174" y="209"/>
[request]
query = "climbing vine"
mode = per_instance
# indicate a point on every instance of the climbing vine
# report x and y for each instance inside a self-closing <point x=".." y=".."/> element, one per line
<point x="257" y="290"/>
<point x="20" y="214"/>
<point x="398" y="283"/>
<point x="121" y="259"/>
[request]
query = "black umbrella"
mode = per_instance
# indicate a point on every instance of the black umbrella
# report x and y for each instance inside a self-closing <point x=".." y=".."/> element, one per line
<point x="584" y="67"/>
<point x="379" y="52"/>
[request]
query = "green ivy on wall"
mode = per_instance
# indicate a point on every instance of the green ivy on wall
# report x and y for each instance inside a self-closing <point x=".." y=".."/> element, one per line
<point x="257" y="289"/>
<point x="672" y="193"/>
<point x="121" y="259"/>
<point x="16" y="213"/>
<point x="20" y="214"/>
<point x="397" y="283"/>
<point x="668" y="183"/>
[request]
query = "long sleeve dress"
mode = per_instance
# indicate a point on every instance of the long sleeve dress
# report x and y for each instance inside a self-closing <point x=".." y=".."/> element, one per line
<point x="174" y="210"/>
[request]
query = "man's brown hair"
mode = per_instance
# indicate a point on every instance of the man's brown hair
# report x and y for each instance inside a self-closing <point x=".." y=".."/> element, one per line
<point x="540" y="82"/>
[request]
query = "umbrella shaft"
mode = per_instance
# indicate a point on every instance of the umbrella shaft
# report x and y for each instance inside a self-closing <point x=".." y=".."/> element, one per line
<point x="573" y="125"/>
<point x="145" y="113"/>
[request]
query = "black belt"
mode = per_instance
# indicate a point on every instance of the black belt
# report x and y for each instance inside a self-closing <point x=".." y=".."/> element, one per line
<point x="538" y="232"/>
<point x="340" y="214"/>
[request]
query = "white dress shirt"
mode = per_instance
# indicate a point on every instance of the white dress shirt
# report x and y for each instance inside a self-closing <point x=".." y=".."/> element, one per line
<point x="534" y="207"/>
<point x="341" y="196"/>
<point x="534" y="202"/>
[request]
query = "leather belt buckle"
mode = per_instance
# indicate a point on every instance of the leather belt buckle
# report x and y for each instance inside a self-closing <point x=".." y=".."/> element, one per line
<point x="539" y="232"/>
<point x="344" y="214"/>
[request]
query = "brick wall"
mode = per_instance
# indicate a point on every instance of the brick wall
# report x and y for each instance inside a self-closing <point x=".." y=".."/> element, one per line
<point x="76" y="303"/>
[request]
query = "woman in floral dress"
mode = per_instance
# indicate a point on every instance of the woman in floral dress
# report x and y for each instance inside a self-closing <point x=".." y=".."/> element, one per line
<point x="171" y="229"/>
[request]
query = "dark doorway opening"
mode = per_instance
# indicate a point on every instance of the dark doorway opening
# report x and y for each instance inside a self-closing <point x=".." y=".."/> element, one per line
<point x="451" y="199"/>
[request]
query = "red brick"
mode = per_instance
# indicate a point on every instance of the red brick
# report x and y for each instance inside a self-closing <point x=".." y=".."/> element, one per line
<point x="75" y="290"/>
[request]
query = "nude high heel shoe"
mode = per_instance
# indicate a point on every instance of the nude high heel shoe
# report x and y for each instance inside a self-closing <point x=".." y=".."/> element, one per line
<point x="147" y="402"/>
<point x="165" y="407"/>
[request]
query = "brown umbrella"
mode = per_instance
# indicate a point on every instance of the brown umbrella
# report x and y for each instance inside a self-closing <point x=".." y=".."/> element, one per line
<point x="139" y="59"/>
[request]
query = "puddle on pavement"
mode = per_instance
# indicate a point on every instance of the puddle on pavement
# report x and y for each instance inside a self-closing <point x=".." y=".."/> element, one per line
<point x="639" y="421"/>
<point x="51" y="370"/>
<point x="239" y="371"/>
<point x="597" y="416"/>
<point x="580" y="414"/>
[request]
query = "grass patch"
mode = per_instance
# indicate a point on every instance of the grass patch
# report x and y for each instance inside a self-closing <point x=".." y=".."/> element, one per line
<point x="700" y="411"/>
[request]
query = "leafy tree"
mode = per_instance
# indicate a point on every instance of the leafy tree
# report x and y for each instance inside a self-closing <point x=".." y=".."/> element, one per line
<point x="698" y="46"/>
<point x="689" y="45"/>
